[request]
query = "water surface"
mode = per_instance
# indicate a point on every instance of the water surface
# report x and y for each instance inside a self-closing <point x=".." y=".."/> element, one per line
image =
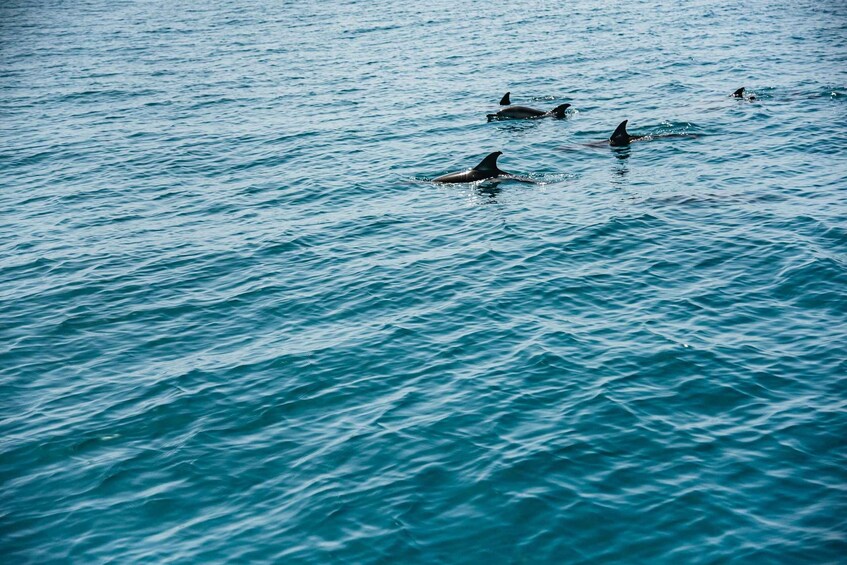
<point x="238" y="324"/>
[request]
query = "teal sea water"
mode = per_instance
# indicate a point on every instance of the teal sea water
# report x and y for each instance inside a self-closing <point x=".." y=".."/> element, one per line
<point x="239" y="324"/>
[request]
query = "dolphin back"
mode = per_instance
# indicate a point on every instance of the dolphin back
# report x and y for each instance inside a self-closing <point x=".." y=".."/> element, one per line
<point x="464" y="176"/>
<point x="486" y="169"/>
<point x="518" y="113"/>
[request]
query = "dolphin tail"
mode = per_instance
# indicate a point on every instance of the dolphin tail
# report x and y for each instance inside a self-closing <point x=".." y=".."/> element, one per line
<point x="559" y="111"/>
<point x="489" y="163"/>
<point x="620" y="135"/>
<point x="505" y="100"/>
<point x="738" y="93"/>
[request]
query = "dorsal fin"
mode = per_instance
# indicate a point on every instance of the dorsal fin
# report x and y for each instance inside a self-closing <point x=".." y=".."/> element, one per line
<point x="559" y="111"/>
<point x="738" y="93"/>
<point x="505" y="100"/>
<point x="489" y="163"/>
<point x="620" y="135"/>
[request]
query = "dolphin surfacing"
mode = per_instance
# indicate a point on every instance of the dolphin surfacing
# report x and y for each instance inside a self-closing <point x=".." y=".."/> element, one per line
<point x="621" y="138"/>
<point x="740" y="94"/>
<point x="486" y="169"/>
<point x="525" y="113"/>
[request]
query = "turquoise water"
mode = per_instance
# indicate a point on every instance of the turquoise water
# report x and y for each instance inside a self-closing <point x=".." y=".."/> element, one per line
<point x="237" y="323"/>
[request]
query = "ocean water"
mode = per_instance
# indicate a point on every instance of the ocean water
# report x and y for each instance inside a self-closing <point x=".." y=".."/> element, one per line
<point x="239" y="324"/>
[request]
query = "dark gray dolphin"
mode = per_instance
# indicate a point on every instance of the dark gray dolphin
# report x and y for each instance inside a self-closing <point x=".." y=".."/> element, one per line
<point x="740" y="94"/>
<point x="524" y="113"/>
<point x="621" y="138"/>
<point x="505" y="101"/>
<point x="486" y="169"/>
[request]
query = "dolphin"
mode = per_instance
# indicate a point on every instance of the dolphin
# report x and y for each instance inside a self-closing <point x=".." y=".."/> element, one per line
<point x="524" y="113"/>
<point x="740" y="94"/>
<point x="505" y="100"/>
<point x="621" y="138"/>
<point x="486" y="169"/>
